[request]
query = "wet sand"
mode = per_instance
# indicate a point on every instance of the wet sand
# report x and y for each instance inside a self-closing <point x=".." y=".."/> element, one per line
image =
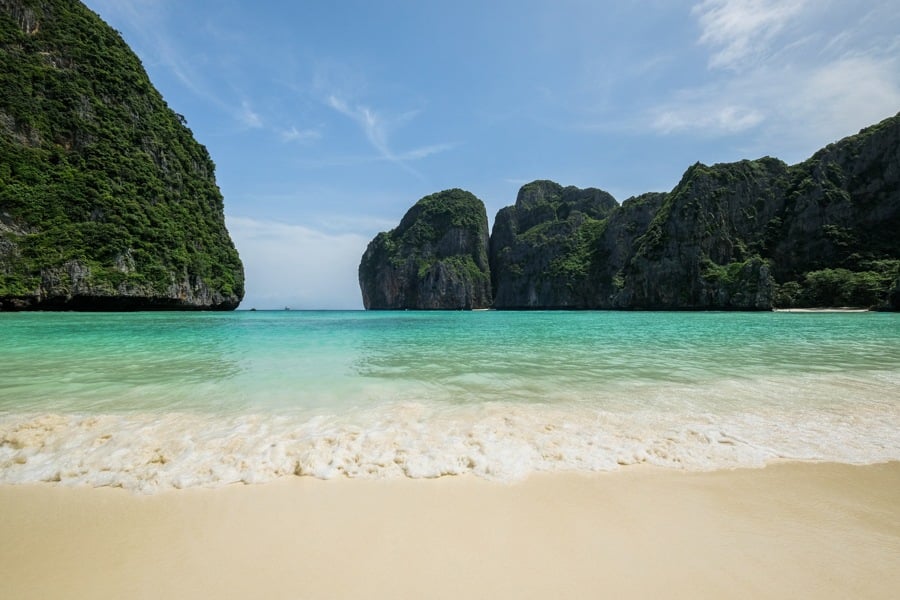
<point x="786" y="531"/>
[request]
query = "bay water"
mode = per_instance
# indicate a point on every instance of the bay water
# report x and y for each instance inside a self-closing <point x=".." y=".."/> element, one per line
<point x="150" y="401"/>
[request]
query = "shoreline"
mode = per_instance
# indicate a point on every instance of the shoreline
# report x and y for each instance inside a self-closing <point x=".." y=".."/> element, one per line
<point x="836" y="309"/>
<point x="789" y="530"/>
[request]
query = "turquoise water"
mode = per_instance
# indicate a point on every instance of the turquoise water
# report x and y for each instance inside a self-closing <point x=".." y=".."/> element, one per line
<point x="149" y="400"/>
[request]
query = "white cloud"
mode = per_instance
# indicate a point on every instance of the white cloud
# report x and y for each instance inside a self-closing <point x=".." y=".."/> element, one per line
<point x="300" y="135"/>
<point x="297" y="266"/>
<point x="377" y="128"/>
<point x="248" y="116"/>
<point x="372" y="125"/>
<point x="742" y="30"/>
<point x="840" y="98"/>
<point x="694" y="116"/>
<point x="793" y="110"/>
<point x="837" y="72"/>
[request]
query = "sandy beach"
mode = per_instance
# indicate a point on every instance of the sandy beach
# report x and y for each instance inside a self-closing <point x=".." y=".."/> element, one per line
<point x="837" y="309"/>
<point x="786" y="531"/>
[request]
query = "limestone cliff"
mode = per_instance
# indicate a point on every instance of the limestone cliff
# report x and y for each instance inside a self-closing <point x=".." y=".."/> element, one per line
<point x="106" y="200"/>
<point x="540" y="246"/>
<point x="700" y="251"/>
<point x="686" y="249"/>
<point x="749" y="235"/>
<point x="837" y="238"/>
<point x="613" y="249"/>
<point x="435" y="259"/>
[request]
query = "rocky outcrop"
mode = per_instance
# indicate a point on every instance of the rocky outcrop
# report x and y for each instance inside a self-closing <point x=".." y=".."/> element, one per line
<point x="435" y="259"/>
<point x="106" y="200"/>
<point x="687" y="249"/>
<point x="701" y="250"/>
<point x="613" y="250"/>
<point x="750" y="235"/>
<point x="842" y="206"/>
<point x="540" y="248"/>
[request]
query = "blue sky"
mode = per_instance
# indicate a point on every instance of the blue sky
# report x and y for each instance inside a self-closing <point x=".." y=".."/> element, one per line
<point x="328" y="120"/>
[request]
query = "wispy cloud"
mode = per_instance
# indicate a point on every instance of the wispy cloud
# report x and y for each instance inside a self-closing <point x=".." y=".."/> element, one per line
<point x="791" y="94"/>
<point x="741" y="31"/>
<point x="249" y="117"/>
<point x="424" y="152"/>
<point x="371" y="123"/>
<point x="376" y="129"/>
<point x="689" y="114"/>
<point x="292" y="134"/>
<point x="794" y="109"/>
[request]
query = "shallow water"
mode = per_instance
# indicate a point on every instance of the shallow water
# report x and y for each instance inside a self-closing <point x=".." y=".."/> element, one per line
<point x="149" y="400"/>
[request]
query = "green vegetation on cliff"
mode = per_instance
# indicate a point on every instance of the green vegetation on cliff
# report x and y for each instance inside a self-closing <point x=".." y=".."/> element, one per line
<point x="876" y="287"/>
<point x="436" y="258"/>
<point x="750" y="235"/>
<point x="835" y="242"/>
<point x="543" y="248"/>
<point x="106" y="199"/>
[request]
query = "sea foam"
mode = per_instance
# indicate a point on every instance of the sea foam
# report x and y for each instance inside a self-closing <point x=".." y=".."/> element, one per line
<point x="500" y="441"/>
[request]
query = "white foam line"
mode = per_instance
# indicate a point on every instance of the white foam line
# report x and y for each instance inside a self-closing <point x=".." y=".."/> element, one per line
<point x="496" y="441"/>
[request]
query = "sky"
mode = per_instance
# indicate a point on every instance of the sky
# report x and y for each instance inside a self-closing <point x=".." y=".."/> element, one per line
<point x="327" y="120"/>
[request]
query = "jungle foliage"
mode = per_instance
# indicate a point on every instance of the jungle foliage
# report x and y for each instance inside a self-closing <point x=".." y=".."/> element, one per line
<point x="95" y="167"/>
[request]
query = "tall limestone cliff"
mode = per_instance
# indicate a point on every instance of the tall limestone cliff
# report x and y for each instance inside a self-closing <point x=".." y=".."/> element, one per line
<point x="611" y="252"/>
<point x="758" y="234"/>
<point x="750" y="235"/>
<point x="539" y="246"/>
<point x="690" y="248"/>
<point x="106" y="200"/>
<point x="435" y="259"/>
<point x="701" y="251"/>
<point x="837" y="238"/>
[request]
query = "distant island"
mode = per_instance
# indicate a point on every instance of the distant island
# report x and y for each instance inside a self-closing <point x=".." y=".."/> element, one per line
<point x="751" y="235"/>
<point x="106" y="200"/>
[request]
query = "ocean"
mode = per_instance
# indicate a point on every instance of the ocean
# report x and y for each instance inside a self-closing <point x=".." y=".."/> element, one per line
<point x="152" y="401"/>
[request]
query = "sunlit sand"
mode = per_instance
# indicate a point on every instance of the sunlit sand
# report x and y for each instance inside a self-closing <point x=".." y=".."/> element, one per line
<point x="786" y="531"/>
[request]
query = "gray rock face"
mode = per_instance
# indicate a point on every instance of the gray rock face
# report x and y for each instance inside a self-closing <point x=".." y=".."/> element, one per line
<point x="742" y="236"/>
<point x="842" y="206"/>
<point x="749" y="235"/>
<point x="435" y="259"/>
<point x="699" y="252"/>
<point x="614" y="249"/>
<point x="540" y="247"/>
<point x="681" y="250"/>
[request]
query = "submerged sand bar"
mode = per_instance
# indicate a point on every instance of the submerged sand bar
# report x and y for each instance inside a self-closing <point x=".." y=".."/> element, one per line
<point x="786" y="531"/>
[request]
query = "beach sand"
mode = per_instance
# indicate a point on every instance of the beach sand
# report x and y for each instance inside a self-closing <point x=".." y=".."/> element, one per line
<point x="786" y="531"/>
<point x="839" y="309"/>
